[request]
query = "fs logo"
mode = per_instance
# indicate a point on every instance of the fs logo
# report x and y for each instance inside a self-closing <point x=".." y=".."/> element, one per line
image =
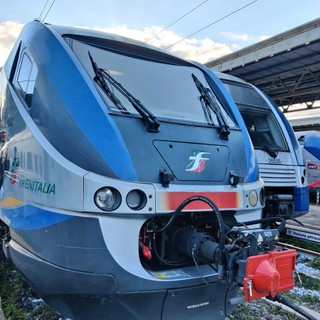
<point x="198" y="161"/>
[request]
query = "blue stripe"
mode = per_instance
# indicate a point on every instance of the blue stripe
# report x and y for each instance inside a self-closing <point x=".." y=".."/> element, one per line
<point x="30" y="218"/>
<point x="301" y="199"/>
<point x="82" y="101"/>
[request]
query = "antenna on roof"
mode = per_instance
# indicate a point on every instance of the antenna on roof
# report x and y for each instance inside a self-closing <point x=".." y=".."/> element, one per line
<point x="45" y="10"/>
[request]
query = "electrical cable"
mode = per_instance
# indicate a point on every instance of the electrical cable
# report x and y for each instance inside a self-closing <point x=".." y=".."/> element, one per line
<point x="209" y="25"/>
<point x="265" y="220"/>
<point x="176" y="21"/>
<point x="40" y="15"/>
<point x="197" y="267"/>
<point x="44" y="7"/>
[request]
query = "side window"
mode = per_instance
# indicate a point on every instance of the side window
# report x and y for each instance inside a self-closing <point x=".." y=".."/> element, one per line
<point x="26" y="78"/>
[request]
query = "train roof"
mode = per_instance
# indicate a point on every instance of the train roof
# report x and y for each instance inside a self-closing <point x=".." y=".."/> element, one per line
<point x="105" y="39"/>
<point x="86" y="32"/>
<point x="101" y="36"/>
<point x="225" y="76"/>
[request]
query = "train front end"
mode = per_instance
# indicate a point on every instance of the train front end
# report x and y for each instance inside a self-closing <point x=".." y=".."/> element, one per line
<point x="127" y="182"/>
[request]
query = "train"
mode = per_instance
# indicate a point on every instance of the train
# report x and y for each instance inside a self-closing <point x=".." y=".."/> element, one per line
<point x="129" y="186"/>
<point x="281" y="163"/>
<point x="310" y="145"/>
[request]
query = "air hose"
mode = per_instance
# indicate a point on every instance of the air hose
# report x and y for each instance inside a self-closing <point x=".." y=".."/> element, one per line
<point x="221" y="225"/>
<point x="265" y="220"/>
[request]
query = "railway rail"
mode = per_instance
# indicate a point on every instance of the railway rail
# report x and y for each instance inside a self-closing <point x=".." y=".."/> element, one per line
<point x="299" y="249"/>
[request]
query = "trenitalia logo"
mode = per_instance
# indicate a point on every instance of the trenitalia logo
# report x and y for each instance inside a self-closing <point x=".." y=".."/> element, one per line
<point x="13" y="170"/>
<point x="312" y="166"/>
<point x="33" y="185"/>
<point x="198" y="161"/>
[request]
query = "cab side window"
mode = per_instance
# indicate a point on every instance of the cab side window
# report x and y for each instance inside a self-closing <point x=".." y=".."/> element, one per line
<point x="26" y="78"/>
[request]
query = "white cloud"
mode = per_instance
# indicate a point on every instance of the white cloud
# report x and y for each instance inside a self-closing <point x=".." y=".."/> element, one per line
<point x="261" y="38"/>
<point x="239" y="40"/>
<point x="234" y="36"/>
<point x="9" y="31"/>
<point x="201" y="50"/>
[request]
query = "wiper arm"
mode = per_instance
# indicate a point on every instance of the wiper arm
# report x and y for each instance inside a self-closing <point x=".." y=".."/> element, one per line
<point x="152" y="124"/>
<point x="265" y="146"/>
<point x="209" y="103"/>
<point x="99" y="78"/>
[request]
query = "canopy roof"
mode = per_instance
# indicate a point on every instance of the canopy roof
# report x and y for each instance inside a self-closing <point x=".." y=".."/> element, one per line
<point x="286" y="66"/>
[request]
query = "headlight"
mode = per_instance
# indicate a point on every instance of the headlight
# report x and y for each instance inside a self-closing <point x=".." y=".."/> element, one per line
<point x="107" y="199"/>
<point x="136" y="199"/>
<point x="253" y="198"/>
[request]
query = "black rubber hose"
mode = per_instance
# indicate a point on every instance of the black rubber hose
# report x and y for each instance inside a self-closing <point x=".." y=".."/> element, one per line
<point x="214" y="208"/>
<point x="293" y="306"/>
<point x="230" y="265"/>
<point x="264" y="220"/>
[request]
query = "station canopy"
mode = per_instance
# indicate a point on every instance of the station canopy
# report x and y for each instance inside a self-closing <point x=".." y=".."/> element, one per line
<point x="286" y="66"/>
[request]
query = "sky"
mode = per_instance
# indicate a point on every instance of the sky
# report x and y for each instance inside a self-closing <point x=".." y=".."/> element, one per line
<point x="200" y="30"/>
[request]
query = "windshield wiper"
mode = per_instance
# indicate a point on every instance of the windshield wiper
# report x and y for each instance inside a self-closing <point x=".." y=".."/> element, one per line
<point x="265" y="146"/>
<point x="102" y="77"/>
<point x="209" y="103"/>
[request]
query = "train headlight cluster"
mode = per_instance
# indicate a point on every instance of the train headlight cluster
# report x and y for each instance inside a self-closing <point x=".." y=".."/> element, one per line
<point x="107" y="199"/>
<point x="136" y="199"/>
<point x="253" y="198"/>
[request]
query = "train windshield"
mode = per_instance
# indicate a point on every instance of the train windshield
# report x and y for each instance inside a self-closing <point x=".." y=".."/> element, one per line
<point x="263" y="127"/>
<point x="164" y="87"/>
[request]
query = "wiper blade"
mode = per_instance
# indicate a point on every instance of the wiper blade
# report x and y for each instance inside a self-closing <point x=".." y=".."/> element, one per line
<point x="265" y="146"/>
<point x="152" y="124"/>
<point x="99" y="78"/>
<point x="209" y="104"/>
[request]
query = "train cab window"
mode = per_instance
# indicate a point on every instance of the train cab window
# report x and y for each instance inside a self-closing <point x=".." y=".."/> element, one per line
<point x="258" y="116"/>
<point x="26" y="78"/>
<point x="164" y="85"/>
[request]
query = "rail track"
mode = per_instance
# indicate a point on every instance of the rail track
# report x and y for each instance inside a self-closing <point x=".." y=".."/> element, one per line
<point x="306" y="233"/>
<point x="299" y="249"/>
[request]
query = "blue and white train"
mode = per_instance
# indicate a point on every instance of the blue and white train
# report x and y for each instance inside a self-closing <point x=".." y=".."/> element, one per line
<point x="310" y="145"/>
<point x="277" y="150"/>
<point x="124" y="174"/>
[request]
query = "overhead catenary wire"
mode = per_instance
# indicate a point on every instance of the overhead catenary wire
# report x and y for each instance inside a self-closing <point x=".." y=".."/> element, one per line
<point x="43" y="10"/>
<point x="209" y="25"/>
<point x="41" y="13"/>
<point x="174" y="22"/>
